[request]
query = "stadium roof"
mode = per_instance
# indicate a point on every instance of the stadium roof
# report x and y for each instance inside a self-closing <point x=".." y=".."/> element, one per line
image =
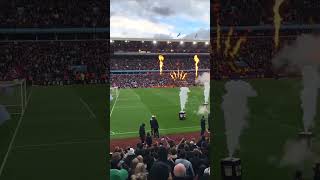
<point x="155" y="39"/>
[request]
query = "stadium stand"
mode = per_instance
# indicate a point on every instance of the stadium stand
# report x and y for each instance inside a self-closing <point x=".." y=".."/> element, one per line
<point x="134" y="62"/>
<point x="54" y="62"/>
<point x="239" y="12"/>
<point x="161" y="160"/>
<point x="48" y="14"/>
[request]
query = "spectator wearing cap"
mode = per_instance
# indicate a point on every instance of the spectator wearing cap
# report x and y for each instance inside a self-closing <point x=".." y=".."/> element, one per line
<point x="129" y="156"/>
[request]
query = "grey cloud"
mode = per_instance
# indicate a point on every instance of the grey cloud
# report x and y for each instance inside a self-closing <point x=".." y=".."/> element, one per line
<point x="164" y="11"/>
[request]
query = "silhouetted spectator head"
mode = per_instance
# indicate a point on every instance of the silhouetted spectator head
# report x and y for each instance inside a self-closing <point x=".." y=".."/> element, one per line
<point x="179" y="170"/>
<point x="159" y="171"/>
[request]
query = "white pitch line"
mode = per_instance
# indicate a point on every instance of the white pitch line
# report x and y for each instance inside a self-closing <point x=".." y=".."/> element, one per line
<point x="88" y="108"/>
<point x="115" y="101"/>
<point x="14" y="136"/>
<point x="134" y="132"/>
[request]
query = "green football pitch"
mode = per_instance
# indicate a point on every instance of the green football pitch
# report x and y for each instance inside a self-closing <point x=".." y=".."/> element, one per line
<point x="134" y="106"/>
<point x="274" y="117"/>
<point x="61" y="135"/>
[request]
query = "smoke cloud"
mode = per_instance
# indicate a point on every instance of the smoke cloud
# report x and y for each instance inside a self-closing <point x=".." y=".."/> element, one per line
<point x="204" y="79"/>
<point x="295" y="153"/>
<point x="309" y="95"/>
<point x="235" y="110"/>
<point x="183" y="97"/>
<point x="304" y="56"/>
<point x="203" y="110"/>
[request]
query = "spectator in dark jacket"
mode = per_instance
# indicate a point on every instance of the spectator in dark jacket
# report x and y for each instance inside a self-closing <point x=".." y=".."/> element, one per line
<point x="203" y="125"/>
<point x="142" y="132"/>
<point x="149" y="140"/>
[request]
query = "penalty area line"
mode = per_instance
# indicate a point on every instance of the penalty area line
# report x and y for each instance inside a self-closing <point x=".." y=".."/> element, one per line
<point x="115" y="101"/>
<point x="88" y="108"/>
<point x="14" y="136"/>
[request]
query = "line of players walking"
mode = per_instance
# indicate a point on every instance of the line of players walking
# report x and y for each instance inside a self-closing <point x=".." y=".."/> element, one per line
<point x="154" y="125"/>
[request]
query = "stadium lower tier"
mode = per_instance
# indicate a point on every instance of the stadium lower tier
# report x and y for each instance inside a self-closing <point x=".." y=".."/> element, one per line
<point x="152" y="80"/>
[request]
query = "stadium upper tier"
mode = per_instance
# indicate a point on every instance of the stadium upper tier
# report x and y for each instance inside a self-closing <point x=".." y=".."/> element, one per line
<point x="118" y="45"/>
<point x="57" y="13"/>
<point x="253" y="12"/>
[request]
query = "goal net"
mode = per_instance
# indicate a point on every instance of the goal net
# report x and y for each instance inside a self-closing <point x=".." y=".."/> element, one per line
<point x="13" y="96"/>
<point x="114" y="93"/>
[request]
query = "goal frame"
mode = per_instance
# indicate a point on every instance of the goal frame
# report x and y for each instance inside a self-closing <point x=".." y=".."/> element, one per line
<point x="22" y="99"/>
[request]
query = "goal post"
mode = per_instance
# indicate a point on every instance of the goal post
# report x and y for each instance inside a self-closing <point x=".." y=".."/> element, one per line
<point x="13" y="95"/>
<point x="114" y="92"/>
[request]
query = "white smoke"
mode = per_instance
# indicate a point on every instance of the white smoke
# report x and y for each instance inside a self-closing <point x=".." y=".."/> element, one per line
<point x="304" y="55"/>
<point x="203" y="110"/>
<point x="4" y="115"/>
<point x="204" y="79"/>
<point x="296" y="153"/>
<point x="309" y="95"/>
<point x="183" y="97"/>
<point x="235" y="110"/>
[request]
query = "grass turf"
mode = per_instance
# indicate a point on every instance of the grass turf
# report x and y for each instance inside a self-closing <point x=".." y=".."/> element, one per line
<point x="274" y="117"/>
<point x="134" y="106"/>
<point x="58" y="137"/>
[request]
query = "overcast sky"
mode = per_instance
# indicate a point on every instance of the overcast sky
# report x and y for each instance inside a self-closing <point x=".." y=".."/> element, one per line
<point x="160" y="18"/>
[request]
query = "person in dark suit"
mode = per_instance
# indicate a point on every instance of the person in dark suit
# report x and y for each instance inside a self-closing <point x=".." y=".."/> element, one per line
<point x="155" y="126"/>
<point x="149" y="140"/>
<point x="203" y="125"/>
<point x="142" y="132"/>
<point x="151" y="126"/>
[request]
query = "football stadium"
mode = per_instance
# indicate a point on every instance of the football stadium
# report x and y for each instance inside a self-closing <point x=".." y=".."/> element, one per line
<point x="265" y="102"/>
<point x="141" y="89"/>
<point x="53" y="88"/>
<point x="162" y="79"/>
<point x="159" y="90"/>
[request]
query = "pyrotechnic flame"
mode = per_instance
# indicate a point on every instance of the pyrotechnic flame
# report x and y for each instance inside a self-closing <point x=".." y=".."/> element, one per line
<point x="171" y="75"/>
<point x="218" y="36"/>
<point x="161" y="59"/>
<point x="237" y="46"/>
<point x="277" y="21"/>
<point x="180" y="75"/>
<point x="196" y="60"/>
<point x="175" y="75"/>
<point x="233" y="66"/>
<point x="184" y="76"/>
<point x="227" y="43"/>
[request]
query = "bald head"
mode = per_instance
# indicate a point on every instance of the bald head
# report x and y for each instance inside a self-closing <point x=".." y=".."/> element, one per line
<point x="179" y="170"/>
